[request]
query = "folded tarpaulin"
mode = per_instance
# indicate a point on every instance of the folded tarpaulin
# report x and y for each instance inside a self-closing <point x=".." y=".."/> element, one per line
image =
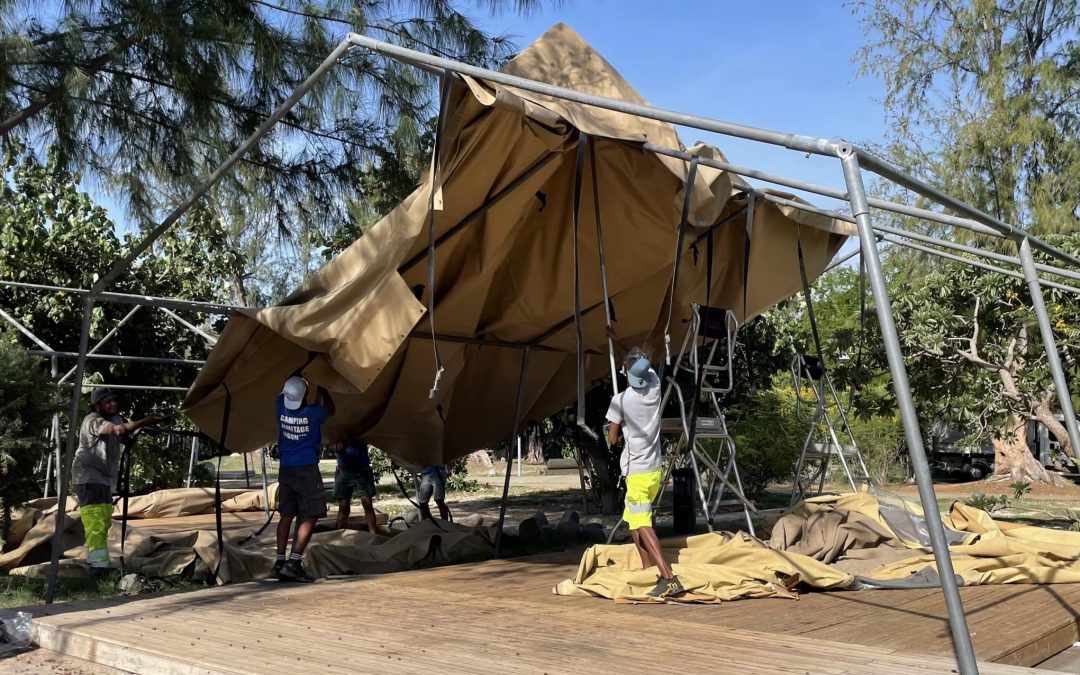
<point x="504" y="271"/>
<point x="837" y="543"/>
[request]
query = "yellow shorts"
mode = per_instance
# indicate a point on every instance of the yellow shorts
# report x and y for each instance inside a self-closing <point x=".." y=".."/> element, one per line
<point x="641" y="490"/>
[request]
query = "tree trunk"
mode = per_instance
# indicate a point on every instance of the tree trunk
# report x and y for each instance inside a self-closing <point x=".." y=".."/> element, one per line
<point x="535" y="450"/>
<point x="238" y="290"/>
<point x="1044" y="414"/>
<point x="1014" y="461"/>
<point x="605" y="474"/>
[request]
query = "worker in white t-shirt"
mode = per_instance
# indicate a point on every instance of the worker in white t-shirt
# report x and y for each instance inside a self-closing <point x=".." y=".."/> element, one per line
<point x="636" y="412"/>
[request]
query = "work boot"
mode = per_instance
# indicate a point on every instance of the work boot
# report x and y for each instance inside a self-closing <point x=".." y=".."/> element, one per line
<point x="294" y="571"/>
<point x="667" y="588"/>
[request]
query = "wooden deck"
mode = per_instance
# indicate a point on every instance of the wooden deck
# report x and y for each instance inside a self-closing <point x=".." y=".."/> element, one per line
<point x="500" y="616"/>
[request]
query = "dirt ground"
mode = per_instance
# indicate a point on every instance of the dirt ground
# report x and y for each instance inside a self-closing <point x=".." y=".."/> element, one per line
<point x="989" y="486"/>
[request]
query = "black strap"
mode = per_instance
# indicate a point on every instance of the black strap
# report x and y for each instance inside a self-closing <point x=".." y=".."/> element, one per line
<point x="217" y="482"/>
<point x="809" y="300"/>
<point x="583" y="143"/>
<point x="684" y="222"/>
<point x="862" y="333"/>
<point x="747" y="242"/>
<point x="125" y="463"/>
<point x="436" y="168"/>
<point x="709" y="255"/>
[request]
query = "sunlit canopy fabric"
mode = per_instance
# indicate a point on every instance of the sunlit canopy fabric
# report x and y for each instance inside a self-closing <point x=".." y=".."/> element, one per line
<point x="507" y="274"/>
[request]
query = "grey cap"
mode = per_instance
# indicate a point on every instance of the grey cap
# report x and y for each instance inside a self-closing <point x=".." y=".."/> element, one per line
<point x="99" y="394"/>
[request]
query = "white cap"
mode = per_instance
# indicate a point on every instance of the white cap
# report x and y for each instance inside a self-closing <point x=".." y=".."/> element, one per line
<point x="294" y="390"/>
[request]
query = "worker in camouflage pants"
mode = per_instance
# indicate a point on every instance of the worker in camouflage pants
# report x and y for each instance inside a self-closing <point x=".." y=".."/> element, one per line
<point x="95" y="470"/>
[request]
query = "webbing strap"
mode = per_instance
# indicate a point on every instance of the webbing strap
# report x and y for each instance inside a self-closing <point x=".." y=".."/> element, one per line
<point x="125" y="462"/>
<point x="217" y="478"/>
<point x="583" y="142"/>
<point x="684" y="222"/>
<point x="751" y="206"/>
<point x="709" y="255"/>
<point x="609" y="308"/>
<point x="862" y="332"/>
<point x="435" y="186"/>
<point x="806" y="296"/>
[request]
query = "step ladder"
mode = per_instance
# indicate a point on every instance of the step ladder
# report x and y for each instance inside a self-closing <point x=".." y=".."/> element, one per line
<point x="717" y="482"/>
<point x="823" y="444"/>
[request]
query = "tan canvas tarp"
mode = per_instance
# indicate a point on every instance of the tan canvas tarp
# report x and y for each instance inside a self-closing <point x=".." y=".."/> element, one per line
<point x="834" y="543"/>
<point x="169" y="530"/>
<point x="507" y="274"/>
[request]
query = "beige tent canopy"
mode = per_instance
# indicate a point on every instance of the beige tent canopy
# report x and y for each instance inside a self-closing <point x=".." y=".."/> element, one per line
<point x="504" y="271"/>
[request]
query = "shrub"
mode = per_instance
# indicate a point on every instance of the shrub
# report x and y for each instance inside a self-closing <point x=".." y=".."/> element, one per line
<point x="27" y="402"/>
<point x="768" y="438"/>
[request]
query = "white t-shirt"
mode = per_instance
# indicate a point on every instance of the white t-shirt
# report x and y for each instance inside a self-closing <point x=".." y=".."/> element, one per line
<point x="637" y="412"/>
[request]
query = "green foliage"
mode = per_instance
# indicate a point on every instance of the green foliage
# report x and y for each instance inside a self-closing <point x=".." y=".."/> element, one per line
<point x="1020" y="488"/>
<point x="988" y="503"/>
<point x="380" y="463"/>
<point x="944" y="313"/>
<point x="53" y="234"/>
<point x="980" y="98"/>
<point x="146" y="96"/>
<point x="457" y="476"/>
<point x="768" y="438"/>
<point x="27" y="402"/>
<point x="880" y="440"/>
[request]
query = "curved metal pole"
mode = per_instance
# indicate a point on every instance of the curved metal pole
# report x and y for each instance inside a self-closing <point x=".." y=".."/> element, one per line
<point x="965" y="653"/>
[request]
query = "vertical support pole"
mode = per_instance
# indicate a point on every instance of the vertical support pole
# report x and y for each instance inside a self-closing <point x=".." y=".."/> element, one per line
<point x="192" y="461"/>
<point x="265" y="484"/>
<point x="519" y="454"/>
<point x="64" y="467"/>
<point x="965" y="654"/>
<point x="247" y="472"/>
<point x="1027" y="262"/>
<point x="509" y="455"/>
<point x="54" y="433"/>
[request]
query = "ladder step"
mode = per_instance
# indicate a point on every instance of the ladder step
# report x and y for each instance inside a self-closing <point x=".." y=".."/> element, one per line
<point x="707" y="427"/>
<point x="819" y="450"/>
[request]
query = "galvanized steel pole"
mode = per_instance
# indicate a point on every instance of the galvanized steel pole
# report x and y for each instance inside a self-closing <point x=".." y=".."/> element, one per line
<point x="69" y="454"/>
<point x="965" y="654"/>
<point x="1050" y="344"/>
<point x="509" y="451"/>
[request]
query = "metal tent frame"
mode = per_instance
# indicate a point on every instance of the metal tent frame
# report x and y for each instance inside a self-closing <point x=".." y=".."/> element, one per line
<point x="852" y="160"/>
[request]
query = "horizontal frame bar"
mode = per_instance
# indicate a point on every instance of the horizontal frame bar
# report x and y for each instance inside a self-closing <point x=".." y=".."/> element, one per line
<point x="116" y="357"/>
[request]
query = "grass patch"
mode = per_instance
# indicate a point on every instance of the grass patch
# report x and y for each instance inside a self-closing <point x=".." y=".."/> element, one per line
<point x="17" y="591"/>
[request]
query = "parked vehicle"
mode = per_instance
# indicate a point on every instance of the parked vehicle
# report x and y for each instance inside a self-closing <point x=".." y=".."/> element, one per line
<point x="951" y="454"/>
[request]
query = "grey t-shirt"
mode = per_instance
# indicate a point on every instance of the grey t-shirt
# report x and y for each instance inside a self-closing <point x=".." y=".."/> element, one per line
<point x="637" y="412"/>
<point x="98" y="458"/>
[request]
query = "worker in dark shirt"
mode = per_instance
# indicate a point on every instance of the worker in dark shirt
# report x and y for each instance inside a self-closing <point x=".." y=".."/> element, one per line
<point x="354" y="474"/>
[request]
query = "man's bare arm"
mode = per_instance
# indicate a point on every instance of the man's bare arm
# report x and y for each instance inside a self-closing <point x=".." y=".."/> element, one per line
<point x="324" y="395"/>
<point x="612" y="434"/>
<point x="110" y="429"/>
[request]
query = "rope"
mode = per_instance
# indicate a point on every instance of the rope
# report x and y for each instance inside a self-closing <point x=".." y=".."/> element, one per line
<point x="444" y="96"/>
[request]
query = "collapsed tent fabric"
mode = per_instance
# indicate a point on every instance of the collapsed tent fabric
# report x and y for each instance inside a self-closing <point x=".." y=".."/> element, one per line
<point x="504" y="271"/>
<point x="169" y="533"/>
<point x="836" y="543"/>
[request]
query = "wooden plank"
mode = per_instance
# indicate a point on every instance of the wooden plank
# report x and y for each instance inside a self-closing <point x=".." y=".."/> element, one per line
<point x="451" y="619"/>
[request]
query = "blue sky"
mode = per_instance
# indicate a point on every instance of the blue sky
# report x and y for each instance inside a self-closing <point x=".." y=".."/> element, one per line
<point x="781" y="64"/>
